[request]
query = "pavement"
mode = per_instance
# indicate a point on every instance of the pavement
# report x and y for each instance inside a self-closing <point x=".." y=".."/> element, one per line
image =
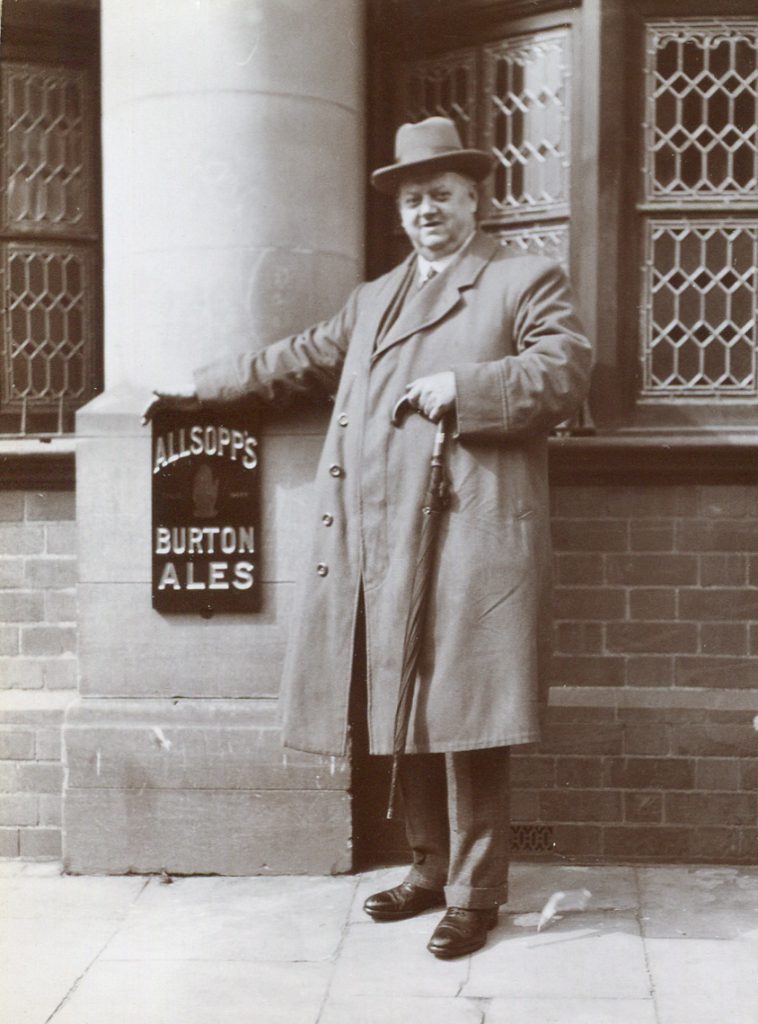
<point x="655" y="945"/>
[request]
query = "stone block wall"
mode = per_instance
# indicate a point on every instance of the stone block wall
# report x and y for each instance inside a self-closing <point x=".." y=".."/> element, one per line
<point x="38" y="665"/>
<point x="651" y="750"/>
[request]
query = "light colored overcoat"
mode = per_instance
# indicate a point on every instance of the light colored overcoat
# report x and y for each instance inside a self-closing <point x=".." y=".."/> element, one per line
<point x="507" y="328"/>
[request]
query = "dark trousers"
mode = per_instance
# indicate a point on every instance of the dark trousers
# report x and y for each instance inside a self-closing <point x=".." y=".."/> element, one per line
<point x="457" y="810"/>
<point x="457" y="820"/>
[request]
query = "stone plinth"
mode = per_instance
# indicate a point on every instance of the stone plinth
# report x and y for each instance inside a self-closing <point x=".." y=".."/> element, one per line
<point x="198" y="787"/>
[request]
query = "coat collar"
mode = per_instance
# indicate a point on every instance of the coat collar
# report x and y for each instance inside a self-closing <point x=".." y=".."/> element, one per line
<point x="440" y="295"/>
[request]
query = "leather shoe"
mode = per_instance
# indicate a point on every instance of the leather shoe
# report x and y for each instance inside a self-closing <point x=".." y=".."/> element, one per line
<point x="405" y="900"/>
<point x="461" y="931"/>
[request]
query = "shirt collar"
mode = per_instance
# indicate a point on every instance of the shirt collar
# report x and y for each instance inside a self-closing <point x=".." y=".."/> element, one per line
<point x="425" y="265"/>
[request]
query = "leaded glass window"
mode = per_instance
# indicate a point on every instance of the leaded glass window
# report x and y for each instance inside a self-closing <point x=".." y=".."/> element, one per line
<point x="550" y="240"/>
<point x="700" y="210"/>
<point x="526" y="123"/>
<point x="47" y="141"/>
<point x="701" y="125"/>
<point x="446" y="87"/>
<point x="511" y="98"/>
<point x="700" y="318"/>
<point x="48" y="294"/>
<point x="48" y="240"/>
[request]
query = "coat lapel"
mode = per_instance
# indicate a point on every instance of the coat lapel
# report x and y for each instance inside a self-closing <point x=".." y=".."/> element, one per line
<point x="388" y="291"/>
<point x="441" y="295"/>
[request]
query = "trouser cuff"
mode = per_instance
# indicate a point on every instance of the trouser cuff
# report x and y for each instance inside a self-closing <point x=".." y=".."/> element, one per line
<point x="416" y="877"/>
<point x="475" y="899"/>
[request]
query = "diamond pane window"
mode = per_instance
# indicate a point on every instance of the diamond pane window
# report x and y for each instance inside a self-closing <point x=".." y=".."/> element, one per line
<point x="442" y="87"/>
<point x="700" y="138"/>
<point x="512" y="99"/>
<point x="701" y="122"/>
<point x="550" y="241"/>
<point x="526" y="83"/>
<point x="47" y="324"/>
<point x="49" y="245"/>
<point x="700" y="323"/>
<point x="47" y="164"/>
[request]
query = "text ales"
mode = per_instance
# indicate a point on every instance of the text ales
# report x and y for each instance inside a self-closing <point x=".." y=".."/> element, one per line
<point x="206" y="521"/>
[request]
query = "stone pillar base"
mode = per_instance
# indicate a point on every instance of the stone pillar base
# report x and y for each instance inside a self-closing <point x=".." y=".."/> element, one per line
<point x="198" y="787"/>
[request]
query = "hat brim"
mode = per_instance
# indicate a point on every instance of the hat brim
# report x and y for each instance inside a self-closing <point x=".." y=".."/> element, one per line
<point x="473" y="163"/>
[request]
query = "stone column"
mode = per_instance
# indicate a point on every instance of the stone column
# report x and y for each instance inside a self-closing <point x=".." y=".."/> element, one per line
<point x="233" y="180"/>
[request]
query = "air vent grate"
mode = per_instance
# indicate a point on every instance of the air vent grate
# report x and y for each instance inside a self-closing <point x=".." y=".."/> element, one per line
<point x="532" y="839"/>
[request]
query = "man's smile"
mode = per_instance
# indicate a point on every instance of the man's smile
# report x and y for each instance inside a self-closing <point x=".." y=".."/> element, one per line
<point x="438" y="213"/>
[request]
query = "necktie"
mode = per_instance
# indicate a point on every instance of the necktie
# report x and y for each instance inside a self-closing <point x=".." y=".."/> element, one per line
<point x="431" y="272"/>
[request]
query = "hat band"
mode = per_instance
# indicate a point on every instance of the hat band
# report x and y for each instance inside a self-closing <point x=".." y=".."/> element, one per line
<point x="427" y="152"/>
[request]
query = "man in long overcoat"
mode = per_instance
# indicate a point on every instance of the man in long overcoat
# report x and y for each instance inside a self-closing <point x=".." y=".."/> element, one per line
<point x="492" y="343"/>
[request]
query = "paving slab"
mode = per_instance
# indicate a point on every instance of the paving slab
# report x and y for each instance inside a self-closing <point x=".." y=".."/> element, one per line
<point x="571" y="1011"/>
<point x="586" y="955"/>
<point x="53" y="897"/>
<point x="281" y="918"/>
<point x="41" y="960"/>
<point x="30" y="993"/>
<point x="380" y="958"/>
<point x="37" y="869"/>
<point x="706" y="903"/>
<point x="370" y="882"/>
<point x="300" y="950"/>
<point x="52" y="929"/>
<point x="704" y="981"/>
<point x="173" y="992"/>
<point x="531" y="885"/>
<point x="11" y="868"/>
<point x="411" y="1010"/>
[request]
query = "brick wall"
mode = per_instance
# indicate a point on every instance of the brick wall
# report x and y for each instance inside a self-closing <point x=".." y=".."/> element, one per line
<point x="37" y="665"/>
<point x="651" y="750"/>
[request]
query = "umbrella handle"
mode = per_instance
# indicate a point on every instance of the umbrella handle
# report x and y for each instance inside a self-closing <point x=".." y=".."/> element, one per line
<point x="401" y="409"/>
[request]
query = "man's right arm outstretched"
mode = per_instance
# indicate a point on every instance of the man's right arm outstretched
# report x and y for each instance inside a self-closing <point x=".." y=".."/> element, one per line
<point x="309" y="362"/>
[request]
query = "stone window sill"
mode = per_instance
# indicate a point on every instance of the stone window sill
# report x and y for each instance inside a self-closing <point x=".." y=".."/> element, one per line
<point x="645" y="457"/>
<point x="30" y="464"/>
<point x="719" y="456"/>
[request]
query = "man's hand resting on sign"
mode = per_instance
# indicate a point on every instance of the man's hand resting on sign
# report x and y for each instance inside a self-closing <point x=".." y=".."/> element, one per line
<point x="433" y="396"/>
<point x="183" y="400"/>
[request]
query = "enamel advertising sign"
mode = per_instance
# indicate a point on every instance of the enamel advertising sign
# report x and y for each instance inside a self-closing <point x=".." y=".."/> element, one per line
<point x="206" y="522"/>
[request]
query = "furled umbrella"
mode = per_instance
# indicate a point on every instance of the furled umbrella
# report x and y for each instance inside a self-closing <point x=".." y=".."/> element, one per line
<point x="436" y="501"/>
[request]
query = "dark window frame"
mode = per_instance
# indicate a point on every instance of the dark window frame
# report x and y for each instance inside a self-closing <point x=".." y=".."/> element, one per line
<point x="68" y="37"/>
<point x="608" y="103"/>
<point x="676" y="416"/>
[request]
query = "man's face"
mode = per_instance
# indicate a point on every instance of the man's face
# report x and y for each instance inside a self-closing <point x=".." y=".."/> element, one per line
<point x="437" y="213"/>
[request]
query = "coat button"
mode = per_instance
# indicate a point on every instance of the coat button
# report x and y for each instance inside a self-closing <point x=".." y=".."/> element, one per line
<point x="322" y="569"/>
<point x="326" y="519"/>
<point x="342" y="419"/>
<point x="336" y="470"/>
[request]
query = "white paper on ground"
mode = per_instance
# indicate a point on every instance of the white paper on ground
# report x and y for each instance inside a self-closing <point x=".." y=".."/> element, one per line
<point x="574" y="899"/>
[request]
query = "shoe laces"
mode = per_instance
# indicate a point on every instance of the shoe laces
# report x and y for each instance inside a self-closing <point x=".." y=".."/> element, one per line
<point x="466" y="913"/>
<point x="454" y="912"/>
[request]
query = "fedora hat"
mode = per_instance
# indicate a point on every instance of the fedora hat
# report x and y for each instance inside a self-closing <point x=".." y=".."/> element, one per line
<point x="430" y="147"/>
